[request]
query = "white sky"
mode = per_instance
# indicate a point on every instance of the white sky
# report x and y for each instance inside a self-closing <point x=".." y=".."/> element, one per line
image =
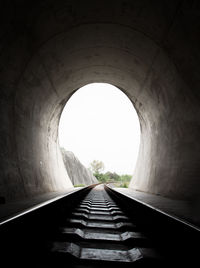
<point x="99" y="122"/>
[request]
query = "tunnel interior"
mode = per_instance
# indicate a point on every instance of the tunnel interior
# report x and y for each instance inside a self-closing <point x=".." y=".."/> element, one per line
<point x="150" y="50"/>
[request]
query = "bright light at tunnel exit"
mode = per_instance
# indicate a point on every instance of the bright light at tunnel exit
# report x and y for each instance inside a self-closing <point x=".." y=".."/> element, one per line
<point x="99" y="122"/>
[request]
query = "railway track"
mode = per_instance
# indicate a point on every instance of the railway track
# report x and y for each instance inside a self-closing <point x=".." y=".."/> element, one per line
<point x="97" y="227"/>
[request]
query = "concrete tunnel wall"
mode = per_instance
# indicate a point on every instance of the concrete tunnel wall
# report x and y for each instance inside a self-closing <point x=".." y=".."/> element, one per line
<point x="149" y="49"/>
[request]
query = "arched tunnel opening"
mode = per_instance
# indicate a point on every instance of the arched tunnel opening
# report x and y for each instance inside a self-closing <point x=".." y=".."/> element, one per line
<point x="99" y="131"/>
<point x="149" y="50"/>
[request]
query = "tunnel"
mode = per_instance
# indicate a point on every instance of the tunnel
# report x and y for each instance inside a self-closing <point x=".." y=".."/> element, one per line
<point x="148" y="49"/>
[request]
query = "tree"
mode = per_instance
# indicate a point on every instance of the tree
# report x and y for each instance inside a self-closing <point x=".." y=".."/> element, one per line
<point x="97" y="166"/>
<point x="101" y="177"/>
<point x="113" y="176"/>
<point x="126" y="178"/>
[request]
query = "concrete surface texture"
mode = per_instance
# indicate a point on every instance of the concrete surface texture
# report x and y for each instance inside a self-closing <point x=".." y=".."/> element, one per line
<point x="77" y="172"/>
<point x="181" y="209"/>
<point x="15" y="208"/>
<point x="149" y="49"/>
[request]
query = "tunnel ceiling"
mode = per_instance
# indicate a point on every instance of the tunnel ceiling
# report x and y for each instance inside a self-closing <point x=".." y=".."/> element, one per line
<point x="149" y="49"/>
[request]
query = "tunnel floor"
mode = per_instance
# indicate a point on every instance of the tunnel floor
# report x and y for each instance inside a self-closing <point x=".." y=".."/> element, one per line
<point x="97" y="227"/>
<point x="99" y="233"/>
<point x="178" y="208"/>
<point x="181" y="209"/>
<point x="10" y="210"/>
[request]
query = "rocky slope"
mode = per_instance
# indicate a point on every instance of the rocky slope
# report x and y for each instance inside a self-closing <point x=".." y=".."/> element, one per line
<point x="77" y="172"/>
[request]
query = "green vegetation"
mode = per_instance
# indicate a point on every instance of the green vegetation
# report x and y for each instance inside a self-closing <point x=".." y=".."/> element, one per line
<point x="124" y="185"/>
<point x="79" y="185"/>
<point x="119" y="181"/>
<point x="109" y="177"/>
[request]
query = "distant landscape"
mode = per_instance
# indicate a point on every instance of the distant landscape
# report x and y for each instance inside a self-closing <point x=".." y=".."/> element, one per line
<point x="81" y="176"/>
<point x="97" y="168"/>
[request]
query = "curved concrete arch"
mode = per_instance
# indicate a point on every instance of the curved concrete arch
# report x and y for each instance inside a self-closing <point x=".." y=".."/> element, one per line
<point x="61" y="47"/>
<point x="64" y="64"/>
